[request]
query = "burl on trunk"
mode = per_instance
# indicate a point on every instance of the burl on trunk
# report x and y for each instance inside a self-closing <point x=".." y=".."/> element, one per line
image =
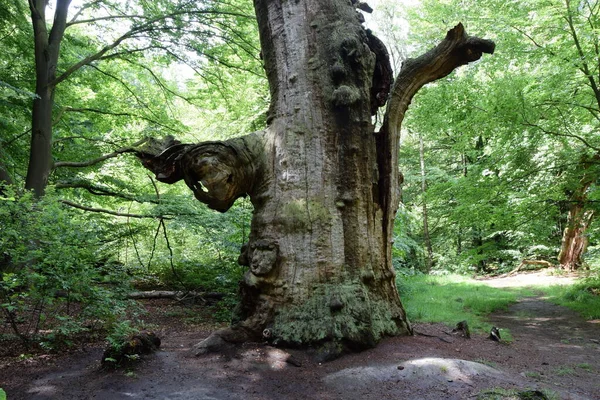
<point x="323" y="183"/>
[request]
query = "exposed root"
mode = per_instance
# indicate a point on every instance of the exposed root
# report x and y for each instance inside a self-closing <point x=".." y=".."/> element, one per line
<point x="223" y="340"/>
<point x="540" y="264"/>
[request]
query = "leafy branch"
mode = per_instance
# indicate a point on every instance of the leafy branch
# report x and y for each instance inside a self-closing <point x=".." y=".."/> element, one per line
<point x="110" y="212"/>
<point x="103" y="191"/>
<point x="82" y="164"/>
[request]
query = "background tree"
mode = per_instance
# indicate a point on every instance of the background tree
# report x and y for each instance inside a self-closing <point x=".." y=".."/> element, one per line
<point x="507" y="172"/>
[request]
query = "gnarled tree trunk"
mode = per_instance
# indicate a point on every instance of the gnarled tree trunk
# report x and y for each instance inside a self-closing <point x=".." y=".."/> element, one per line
<point x="574" y="240"/>
<point x="323" y="183"/>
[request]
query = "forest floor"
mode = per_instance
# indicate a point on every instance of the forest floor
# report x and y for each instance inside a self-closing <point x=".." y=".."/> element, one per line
<point x="552" y="350"/>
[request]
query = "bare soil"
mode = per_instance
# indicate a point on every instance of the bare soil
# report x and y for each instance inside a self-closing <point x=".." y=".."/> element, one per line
<point x="552" y="349"/>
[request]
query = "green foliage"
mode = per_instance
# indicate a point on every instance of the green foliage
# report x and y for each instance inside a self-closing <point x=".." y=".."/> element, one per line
<point x="2" y="394"/>
<point x="119" y="334"/>
<point x="504" y="139"/>
<point x="55" y="282"/>
<point x="224" y="310"/>
<point x="406" y="251"/>
<point x="191" y="70"/>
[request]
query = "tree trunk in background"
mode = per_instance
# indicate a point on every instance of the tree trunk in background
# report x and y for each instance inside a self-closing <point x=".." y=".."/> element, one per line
<point x="324" y="185"/>
<point x="574" y="240"/>
<point x="426" y="238"/>
<point x="47" y="49"/>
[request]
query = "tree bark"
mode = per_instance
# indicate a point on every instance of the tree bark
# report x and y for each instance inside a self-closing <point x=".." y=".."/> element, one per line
<point x="324" y="185"/>
<point x="574" y="240"/>
<point x="318" y="271"/>
<point x="47" y="50"/>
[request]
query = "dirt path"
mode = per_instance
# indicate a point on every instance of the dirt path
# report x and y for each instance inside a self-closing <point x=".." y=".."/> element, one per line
<point x="552" y="349"/>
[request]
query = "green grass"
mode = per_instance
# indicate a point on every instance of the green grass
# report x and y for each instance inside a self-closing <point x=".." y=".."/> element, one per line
<point x="583" y="297"/>
<point x="486" y="362"/>
<point x="452" y="298"/>
<point x="564" y="371"/>
<point x="585" y="366"/>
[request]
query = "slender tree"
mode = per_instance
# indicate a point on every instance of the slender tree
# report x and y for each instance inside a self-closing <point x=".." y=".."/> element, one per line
<point x="324" y="184"/>
<point x="426" y="238"/>
<point x="47" y="49"/>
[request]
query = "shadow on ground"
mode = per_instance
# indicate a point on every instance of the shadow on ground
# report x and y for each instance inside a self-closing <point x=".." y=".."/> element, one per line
<point x="553" y="350"/>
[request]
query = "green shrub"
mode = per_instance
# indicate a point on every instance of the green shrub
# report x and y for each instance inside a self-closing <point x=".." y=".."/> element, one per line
<point x="55" y="282"/>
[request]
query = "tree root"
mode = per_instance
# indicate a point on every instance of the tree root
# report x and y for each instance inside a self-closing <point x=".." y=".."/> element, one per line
<point x="223" y="340"/>
<point x="539" y="263"/>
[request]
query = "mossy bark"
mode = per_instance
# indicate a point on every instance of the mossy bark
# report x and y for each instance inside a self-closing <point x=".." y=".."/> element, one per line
<point x="318" y="270"/>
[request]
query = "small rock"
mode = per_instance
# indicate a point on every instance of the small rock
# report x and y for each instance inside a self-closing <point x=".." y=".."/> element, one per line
<point x="400" y="367"/>
<point x="211" y="344"/>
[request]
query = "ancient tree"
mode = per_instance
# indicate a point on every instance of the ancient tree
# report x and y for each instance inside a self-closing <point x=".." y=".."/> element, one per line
<point x="324" y="183"/>
<point x="579" y="217"/>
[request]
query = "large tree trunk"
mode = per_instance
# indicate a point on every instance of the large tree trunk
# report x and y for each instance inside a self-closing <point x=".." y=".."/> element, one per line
<point x="318" y="269"/>
<point x="324" y="185"/>
<point x="47" y="49"/>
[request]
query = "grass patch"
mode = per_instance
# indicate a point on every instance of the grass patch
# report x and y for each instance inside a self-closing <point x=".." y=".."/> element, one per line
<point x="565" y="371"/>
<point x="452" y="298"/>
<point x="585" y="366"/>
<point x="583" y="297"/>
